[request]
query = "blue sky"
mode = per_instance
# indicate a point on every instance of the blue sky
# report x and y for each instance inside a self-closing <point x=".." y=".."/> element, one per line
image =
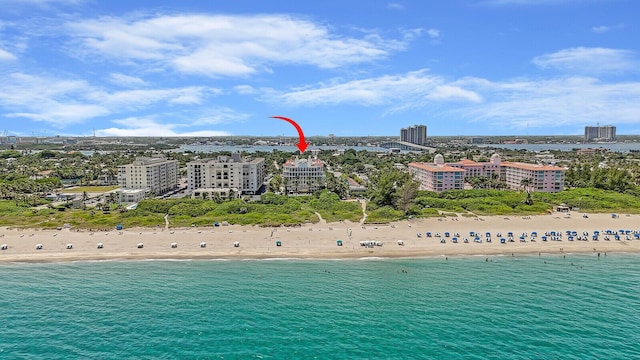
<point x="348" y="67"/>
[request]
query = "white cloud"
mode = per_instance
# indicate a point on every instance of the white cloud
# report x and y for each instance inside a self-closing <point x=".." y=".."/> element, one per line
<point x="513" y="104"/>
<point x="244" y="89"/>
<point x="147" y="126"/>
<point x="395" y="6"/>
<point x="5" y="55"/>
<point x="143" y="97"/>
<point x="449" y="92"/>
<point x="60" y="114"/>
<point x="218" y="115"/>
<point x="589" y="60"/>
<point x="606" y="28"/>
<point x="600" y="29"/>
<point x="61" y="102"/>
<point x="433" y="33"/>
<point x="410" y="90"/>
<point x="545" y="104"/>
<point x="126" y="80"/>
<point x="225" y="45"/>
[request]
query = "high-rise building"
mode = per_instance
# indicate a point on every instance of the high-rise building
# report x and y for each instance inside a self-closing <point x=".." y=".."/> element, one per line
<point x="599" y="133"/>
<point x="416" y="134"/>
<point x="224" y="175"/>
<point x="607" y="133"/>
<point x="157" y="174"/>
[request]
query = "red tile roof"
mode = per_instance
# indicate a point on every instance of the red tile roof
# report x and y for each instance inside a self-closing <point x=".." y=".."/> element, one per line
<point x="434" y="167"/>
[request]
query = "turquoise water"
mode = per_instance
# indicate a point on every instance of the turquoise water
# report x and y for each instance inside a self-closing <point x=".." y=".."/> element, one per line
<point x="581" y="307"/>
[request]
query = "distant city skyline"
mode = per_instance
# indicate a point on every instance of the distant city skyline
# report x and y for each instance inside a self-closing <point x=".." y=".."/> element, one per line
<point x="350" y="68"/>
<point x="599" y="133"/>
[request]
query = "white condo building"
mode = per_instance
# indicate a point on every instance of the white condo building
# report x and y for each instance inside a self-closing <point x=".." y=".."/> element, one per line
<point x="226" y="176"/>
<point x="303" y="175"/>
<point x="157" y="175"/>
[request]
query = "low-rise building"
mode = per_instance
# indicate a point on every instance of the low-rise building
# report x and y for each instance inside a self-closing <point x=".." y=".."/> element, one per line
<point x="356" y="188"/>
<point x="129" y="196"/>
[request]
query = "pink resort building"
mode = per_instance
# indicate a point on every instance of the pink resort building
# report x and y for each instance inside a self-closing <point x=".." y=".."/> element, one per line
<point x="441" y="176"/>
<point x="437" y="176"/>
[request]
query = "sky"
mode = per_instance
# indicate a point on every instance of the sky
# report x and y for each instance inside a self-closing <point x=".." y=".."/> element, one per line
<point x="343" y="67"/>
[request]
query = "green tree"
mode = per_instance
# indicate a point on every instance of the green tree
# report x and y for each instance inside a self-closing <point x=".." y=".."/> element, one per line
<point x="526" y="184"/>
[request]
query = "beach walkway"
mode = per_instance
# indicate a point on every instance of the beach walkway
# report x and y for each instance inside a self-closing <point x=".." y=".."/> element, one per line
<point x="364" y="211"/>
<point x="322" y="221"/>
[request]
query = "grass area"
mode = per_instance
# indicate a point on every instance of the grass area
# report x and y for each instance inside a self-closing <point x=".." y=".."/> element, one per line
<point x="495" y="202"/>
<point x="276" y="210"/>
<point x="89" y="189"/>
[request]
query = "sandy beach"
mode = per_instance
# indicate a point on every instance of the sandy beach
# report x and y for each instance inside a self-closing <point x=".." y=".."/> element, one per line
<point x="319" y="241"/>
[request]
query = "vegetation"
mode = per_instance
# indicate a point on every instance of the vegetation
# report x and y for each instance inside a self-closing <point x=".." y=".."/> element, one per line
<point x="271" y="210"/>
<point x="600" y="182"/>
<point x="277" y="210"/>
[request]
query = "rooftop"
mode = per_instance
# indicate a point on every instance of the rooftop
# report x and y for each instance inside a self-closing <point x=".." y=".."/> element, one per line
<point x="535" y="167"/>
<point x="435" y="167"/>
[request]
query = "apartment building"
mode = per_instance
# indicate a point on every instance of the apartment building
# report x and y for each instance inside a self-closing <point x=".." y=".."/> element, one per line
<point x="437" y="176"/>
<point x="302" y="176"/>
<point x="476" y="169"/>
<point x="416" y="134"/>
<point x="544" y="178"/>
<point x="441" y="176"/>
<point x="226" y="176"/>
<point x="599" y="133"/>
<point x="157" y="175"/>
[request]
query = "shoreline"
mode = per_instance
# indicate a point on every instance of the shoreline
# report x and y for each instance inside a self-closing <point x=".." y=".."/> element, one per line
<point x="319" y="241"/>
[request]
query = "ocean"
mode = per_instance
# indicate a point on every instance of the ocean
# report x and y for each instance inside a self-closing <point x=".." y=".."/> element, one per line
<point x="476" y="307"/>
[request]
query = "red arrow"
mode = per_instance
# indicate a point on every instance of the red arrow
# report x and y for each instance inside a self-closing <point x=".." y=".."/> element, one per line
<point x="302" y="145"/>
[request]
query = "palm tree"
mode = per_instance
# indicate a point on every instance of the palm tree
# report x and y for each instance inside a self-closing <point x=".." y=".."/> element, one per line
<point x="526" y="185"/>
<point x="85" y="196"/>
<point x="112" y="198"/>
